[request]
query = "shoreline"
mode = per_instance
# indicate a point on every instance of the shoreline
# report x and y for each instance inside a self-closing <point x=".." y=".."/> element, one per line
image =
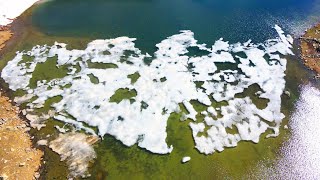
<point x="310" y="49"/>
<point x="5" y="35"/>
<point x="21" y="158"/>
<point x="15" y="37"/>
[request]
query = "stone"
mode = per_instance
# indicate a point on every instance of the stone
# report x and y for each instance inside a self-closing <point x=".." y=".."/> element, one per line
<point x="185" y="159"/>
<point x="287" y="93"/>
<point x="22" y="164"/>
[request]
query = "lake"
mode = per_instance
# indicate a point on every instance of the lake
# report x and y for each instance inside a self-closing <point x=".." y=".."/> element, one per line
<point x="151" y="21"/>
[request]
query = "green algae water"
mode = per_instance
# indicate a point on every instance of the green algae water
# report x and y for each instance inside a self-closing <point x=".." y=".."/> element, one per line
<point x="150" y="22"/>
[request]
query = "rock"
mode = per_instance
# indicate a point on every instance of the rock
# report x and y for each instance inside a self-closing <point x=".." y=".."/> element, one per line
<point x="287" y="93"/>
<point x="61" y="130"/>
<point x="22" y="164"/>
<point x="185" y="159"/>
<point x="22" y="126"/>
<point x="3" y="177"/>
<point x="36" y="175"/>
<point x="42" y="142"/>
<point x="24" y="112"/>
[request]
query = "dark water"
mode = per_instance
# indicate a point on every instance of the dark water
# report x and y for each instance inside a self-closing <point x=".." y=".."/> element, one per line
<point x="150" y="21"/>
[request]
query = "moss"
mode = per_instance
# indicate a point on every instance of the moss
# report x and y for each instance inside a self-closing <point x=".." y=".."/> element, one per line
<point x="123" y="93"/>
<point x="49" y="102"/>
<point x="93" y="79"/>
<point x="48" y="71"/>
<point x="95" y="65"/>
<point x="134" y="77"/>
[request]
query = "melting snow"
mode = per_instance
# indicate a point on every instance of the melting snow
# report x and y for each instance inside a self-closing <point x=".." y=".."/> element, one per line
<point x="10" y="9"/>
<point x="86" y="102"/>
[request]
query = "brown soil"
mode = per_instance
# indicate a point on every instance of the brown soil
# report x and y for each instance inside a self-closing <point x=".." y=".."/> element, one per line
<point x="310" y="48"/>
<point x="18" y="158"/>
<point x="5" y="35"/>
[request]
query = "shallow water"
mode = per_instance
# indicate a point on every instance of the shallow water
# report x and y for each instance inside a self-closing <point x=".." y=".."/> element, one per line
<point x="150" y="22"/>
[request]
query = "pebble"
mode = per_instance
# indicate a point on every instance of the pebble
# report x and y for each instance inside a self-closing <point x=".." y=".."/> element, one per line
<point x="36" y="175"/>
<point x="287" y="93"/>
<point x="22" y="164"/>
<point x="42" y="142"/>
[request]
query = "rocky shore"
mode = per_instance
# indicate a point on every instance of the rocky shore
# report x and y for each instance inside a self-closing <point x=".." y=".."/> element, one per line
<point x="18" y="158"/>
<point x="5" y="35"/>
<point x="310" y="49"/>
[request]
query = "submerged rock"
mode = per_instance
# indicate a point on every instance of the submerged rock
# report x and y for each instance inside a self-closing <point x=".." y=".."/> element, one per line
<point x="76" y="149"/>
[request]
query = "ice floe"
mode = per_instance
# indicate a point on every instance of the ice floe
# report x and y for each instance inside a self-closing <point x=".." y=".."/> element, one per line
<point x="168" y="81"/>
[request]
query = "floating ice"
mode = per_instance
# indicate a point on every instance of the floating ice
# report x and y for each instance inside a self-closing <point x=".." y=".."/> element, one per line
<point x="169" y="80"/>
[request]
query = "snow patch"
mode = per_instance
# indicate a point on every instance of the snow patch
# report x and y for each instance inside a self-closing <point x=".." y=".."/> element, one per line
<point x="10" y="9"/>
<point x="143" y="119"/>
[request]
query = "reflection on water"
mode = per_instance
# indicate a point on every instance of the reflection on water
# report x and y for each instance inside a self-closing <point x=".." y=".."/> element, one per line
<point x="299" y="156"/>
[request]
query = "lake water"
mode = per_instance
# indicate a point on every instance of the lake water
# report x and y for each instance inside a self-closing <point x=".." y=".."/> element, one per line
<point x="151" y="21"/>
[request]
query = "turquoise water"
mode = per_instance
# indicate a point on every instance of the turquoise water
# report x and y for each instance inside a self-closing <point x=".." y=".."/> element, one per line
<point x="150" y="21"/>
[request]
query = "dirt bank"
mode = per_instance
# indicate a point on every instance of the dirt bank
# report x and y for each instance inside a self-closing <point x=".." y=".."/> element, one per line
<point x="5" y="35"/>
<point x="310" y="48"/>
<point x="18" y="158"/>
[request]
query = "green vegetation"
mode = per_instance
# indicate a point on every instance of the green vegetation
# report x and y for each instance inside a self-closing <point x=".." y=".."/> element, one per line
<point x="134" y="77"/>
<point x="95" y="65"/>
<point x="48" y="71"/>
<point x="123" y="93"/>
<point x="93" y="79"/>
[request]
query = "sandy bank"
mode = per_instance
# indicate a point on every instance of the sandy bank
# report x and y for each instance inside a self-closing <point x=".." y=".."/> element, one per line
<point x="19" y="160"/>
